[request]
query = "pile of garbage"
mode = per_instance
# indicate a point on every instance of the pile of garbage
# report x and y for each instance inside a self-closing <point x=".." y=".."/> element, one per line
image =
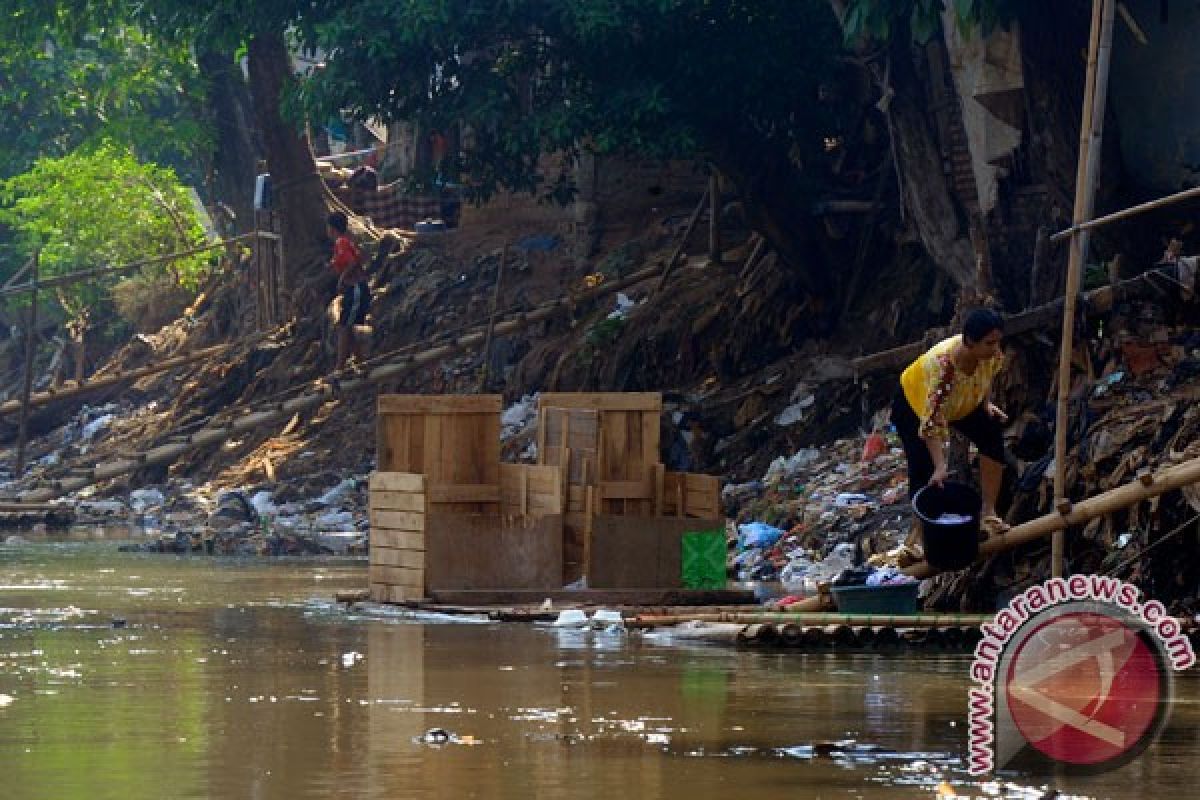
<point x="179" y="518"/>
<point x="819" y="512"/>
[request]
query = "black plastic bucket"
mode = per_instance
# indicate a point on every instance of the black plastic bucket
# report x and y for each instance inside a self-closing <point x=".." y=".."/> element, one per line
<point x="949" y="546"/>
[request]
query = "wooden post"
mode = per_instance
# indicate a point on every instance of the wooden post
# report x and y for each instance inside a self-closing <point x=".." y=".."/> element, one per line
<point x="714" y="217"/>
<point x="487" y="338"/>
<point x="30" y="353"/>
<point x="687" y="234"/>
<point x="1090" y="133"/>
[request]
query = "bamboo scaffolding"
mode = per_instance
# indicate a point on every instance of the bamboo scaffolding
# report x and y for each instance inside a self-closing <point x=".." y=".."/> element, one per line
<point x="1090" y="139"/>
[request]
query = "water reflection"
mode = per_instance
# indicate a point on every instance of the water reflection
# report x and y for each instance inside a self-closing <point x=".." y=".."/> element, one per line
<point x="239" y="679"/>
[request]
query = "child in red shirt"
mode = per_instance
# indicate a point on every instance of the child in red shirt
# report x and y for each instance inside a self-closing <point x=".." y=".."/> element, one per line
<point x="352" y="286"/>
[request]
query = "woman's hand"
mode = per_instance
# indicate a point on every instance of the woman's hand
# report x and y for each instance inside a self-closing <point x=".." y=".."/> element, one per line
<point x="995" y="413"/>
<point x="940" y="472"/>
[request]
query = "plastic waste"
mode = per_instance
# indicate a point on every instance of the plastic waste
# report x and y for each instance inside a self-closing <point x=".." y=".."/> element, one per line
<point x="95" y="426"/>
<point x="874" y="446"/>
<point x="758" y="535"/>
<point x="141" y="499"/>
<point x="786" y="467"/>
<point x="332" y="520"/>
<point x="262" y="503"/>
<point x="607" y="617"/>
<point x="518" y="417"/>
<point x="570" y="618"/>
<point x="334" y="495"/>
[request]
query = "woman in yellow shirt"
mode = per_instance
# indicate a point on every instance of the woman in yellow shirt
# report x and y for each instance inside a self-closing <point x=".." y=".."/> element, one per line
<point x="950" y="386"/>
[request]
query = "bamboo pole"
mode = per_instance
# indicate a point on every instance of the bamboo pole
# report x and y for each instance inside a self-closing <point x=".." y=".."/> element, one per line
<point x="1143" y="488"/>
<point x="45" y="398"/>
<point x="1090" y="138"/>
<point x="491" y="325"/>
<point x="714" y="217"/>
<point x="1098" y="300"/>
<point x="27" y="381"/>
<point x="253" y="420"/>
<point x="1126" y="213"/>
<point x="75" y="277"/>
<point x="810" y="619"/>
<point x="687" y="234"/>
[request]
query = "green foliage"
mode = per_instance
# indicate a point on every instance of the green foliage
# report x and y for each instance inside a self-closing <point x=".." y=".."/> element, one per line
<point x="605" y="332"/>
<point x="69" y="79"/>
<point x="718" y="79"/>
<point x="881" y="19"/>
<point x="98" y="207"/>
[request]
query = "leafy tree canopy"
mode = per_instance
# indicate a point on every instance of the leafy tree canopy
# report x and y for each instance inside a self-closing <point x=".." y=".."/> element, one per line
<point x="881" y="19"/>
<point x="100" y="206"/>
<point x="737" y="81"/>
<point x="74" y="74"/>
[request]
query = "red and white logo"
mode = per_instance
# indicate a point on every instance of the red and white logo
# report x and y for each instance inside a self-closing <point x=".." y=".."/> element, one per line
<point x="1084" y="688"/>
<point x="1073" y="674"/>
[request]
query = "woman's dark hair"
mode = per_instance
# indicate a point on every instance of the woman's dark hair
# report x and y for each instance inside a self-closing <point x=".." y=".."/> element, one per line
<point x="337" y="220"/>
<point x="980" y="322"/>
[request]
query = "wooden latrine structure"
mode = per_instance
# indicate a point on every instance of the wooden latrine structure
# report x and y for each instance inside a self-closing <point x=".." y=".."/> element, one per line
<point x="607" y="446"/>
<point x="447" y="516"/>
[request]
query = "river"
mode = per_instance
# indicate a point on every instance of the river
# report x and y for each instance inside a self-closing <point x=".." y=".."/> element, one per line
<point x="143" y="676"/>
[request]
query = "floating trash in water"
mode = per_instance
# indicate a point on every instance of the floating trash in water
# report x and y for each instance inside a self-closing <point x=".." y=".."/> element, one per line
<point x="351" y="658"/>
<point x="6" y="700"/>
<point x="440" y="736"/>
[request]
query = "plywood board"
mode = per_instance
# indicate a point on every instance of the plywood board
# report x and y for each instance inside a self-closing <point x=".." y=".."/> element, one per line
<point x="394" y="557"/>
<point x="603" y="401"/>
<point x="397" y="576"/>
<point x="480" y="551"/>
<point x="452" y="440"/>
<point x="422" y="404"/>
<point x="700" y="495"/>
<point x="386" y="593"/>
<point x="402" y="540"/>
<point x="398" y="501"/>
<point x="396" y="482"/>
<point x="531" y="490"/>
<point x="639" y="552"/>
<point x="464" y="493"/>
<point x="397" y="520"/>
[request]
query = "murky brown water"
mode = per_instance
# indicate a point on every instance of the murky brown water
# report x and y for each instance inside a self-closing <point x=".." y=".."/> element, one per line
<point x="240" y="680"/>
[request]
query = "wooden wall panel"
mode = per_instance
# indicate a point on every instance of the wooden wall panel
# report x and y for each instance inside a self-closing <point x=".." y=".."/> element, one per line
<point x="453" y="440"/>
<point x="396" y="570"/>
<point x="639" y="552"/>
<point x="688" y="494"/>
<point x="478" y="551"/>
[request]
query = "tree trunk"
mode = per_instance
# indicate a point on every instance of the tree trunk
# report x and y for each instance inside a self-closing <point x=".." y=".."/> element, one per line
<point x="238" y="148"/>
<point x="295" y="185"/>
<point x="927" y="196"/>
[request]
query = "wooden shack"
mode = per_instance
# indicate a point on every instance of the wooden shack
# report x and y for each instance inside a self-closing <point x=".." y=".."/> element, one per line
<point x="608" y="448"/>
<point x="447" y="516"/>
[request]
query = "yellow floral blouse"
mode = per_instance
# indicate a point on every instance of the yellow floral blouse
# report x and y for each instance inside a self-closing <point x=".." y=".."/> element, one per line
<point x="939" y="393"/>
